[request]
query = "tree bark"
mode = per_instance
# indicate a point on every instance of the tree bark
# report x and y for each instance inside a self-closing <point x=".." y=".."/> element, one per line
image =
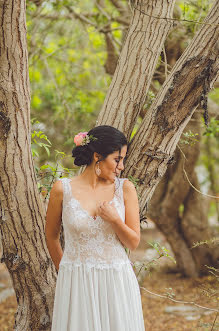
<point x="152" y="147"/>
<point x="183" y="228"/>
<point x="136" y="64"/>
<point x="22" y="213"/>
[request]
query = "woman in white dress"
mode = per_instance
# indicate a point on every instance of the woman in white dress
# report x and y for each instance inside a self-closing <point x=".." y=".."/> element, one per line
<point x="96" y="288"/>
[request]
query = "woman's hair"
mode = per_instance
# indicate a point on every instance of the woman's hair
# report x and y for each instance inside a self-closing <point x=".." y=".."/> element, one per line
<point x="109" y="140"/>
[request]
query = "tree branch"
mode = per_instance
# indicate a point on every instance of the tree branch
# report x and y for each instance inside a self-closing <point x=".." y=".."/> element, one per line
<point x="179" y="301"/>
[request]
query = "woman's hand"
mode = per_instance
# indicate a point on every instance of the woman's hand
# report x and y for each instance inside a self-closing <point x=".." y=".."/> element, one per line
<point x="108" y="212"/>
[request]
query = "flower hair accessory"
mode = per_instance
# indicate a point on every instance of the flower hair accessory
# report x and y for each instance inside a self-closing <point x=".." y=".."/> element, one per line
<point x="82" y="138"/>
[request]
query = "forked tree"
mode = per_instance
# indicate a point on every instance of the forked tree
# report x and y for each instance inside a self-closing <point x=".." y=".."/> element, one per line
<point x="22" y="214"/>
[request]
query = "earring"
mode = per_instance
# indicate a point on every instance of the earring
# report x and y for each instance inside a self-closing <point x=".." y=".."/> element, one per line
<point x="98" y="171"/>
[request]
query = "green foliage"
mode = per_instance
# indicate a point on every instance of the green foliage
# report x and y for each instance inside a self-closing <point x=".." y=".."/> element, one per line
<point x="189" y="138"/>
<point x="213" y="128"/>
<point x="69" y="82"/>
<point x="46" y="173"/>
<point x="181" y="210"/>
<point x="214" y="95"/>
<point x="36" y="140"/>
<point x="149" y="100"/>
<point x="194" y="10"/>
<point x="161" y="250"/>
<point x="67" y="76"/>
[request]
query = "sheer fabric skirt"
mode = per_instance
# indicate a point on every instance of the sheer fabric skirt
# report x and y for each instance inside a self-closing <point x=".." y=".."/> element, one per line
<point x="97" y="300"/>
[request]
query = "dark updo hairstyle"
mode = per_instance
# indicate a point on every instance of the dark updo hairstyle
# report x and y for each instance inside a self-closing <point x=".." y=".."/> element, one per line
<point x="109" y="140"/>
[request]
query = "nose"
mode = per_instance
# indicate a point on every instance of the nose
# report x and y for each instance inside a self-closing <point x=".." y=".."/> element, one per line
<point x="121" y="165"/>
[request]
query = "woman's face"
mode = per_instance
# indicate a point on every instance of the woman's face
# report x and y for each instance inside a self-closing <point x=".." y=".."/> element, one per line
<point x="112" y="165"/>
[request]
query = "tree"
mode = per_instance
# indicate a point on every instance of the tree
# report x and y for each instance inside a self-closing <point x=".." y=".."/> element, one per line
<point x="152" y="147"/>
<point x="22" y="214"/>
<point x="190" y="262"/>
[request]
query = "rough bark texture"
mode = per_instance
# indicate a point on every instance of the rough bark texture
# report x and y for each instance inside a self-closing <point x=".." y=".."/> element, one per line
<point x="182" y="229"/>
<point x="152" y="148"/>
<point x="136" y="64"/>
<point x="22" y="213"/>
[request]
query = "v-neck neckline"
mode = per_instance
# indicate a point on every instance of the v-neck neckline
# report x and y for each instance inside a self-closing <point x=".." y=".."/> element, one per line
<point x="85" y="210"/>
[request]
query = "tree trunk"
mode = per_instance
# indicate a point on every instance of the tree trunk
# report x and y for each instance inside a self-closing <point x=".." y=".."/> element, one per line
<point x="22" y="213"/>
<point x="136" y="64"/>
<point x="183" y="228"/>
<point x="151" y="149"/>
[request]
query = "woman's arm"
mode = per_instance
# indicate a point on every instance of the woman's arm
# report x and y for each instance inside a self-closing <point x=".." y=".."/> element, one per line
<point x="128" y="232"/>
<point x="53" y="223"/>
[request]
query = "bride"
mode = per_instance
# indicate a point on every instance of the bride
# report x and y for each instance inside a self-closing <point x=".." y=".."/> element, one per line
<point x="96" y="288"/>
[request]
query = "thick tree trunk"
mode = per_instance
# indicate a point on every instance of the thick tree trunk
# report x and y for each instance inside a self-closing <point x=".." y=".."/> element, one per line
<point x="182" y="229"/>
<point x="136" y="64"/>
<point x="152" y="148"/>
<point x="22" y="213"/>
<point x="191" y="78"/>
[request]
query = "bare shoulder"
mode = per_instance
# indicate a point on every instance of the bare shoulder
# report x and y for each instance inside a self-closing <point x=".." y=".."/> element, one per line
<point x="57" y="186"/>
<point x="129" y="190"/>
<point x="57" y="189"/>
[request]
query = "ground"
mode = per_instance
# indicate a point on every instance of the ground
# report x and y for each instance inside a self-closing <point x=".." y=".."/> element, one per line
<point x="161" y="280"/>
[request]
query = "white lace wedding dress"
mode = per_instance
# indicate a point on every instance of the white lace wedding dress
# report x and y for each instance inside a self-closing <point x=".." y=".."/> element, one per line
<point x="96" y="287"/>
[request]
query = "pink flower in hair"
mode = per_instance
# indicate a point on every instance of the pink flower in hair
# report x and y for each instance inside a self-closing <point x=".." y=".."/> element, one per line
<point x="82" y="138"/>
<point x="83" y="134"/>
<point x="78" y="139"/>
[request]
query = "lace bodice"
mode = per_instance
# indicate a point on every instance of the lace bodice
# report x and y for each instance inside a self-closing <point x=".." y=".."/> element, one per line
<point x="91" y="241"/>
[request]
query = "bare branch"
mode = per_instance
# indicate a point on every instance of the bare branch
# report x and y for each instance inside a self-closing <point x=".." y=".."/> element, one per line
<point x="119" y="6"/>
<point x="180" y="301"/>
<point x="81" y="17"/>
<point x="204" y="194"/>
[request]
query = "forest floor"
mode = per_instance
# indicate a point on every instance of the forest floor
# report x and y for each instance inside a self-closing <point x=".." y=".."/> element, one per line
<point x="160" y="314"/>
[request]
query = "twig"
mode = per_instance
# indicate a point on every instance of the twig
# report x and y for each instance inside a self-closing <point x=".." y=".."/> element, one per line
<point x="150" y="262"/>
<point x="165" y="61"/>
<point x="119" y="6"/>
<point x="214" y="322"/>
<point x="179" y="301"/>
<point x="80" y="16"/>
<point x="102" y="11"/>
<point x="173" y="19"/>
<point x="197" y="190"/>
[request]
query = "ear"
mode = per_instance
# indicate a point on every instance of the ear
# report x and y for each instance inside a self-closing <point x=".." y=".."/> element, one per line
<point x="96" y="156"/>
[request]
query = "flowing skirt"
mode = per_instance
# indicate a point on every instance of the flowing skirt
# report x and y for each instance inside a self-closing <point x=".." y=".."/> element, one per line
<point x="97" y="300"/>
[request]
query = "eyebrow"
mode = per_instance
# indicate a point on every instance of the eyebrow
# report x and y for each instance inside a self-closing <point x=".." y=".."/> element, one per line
<point x="120" y="157"/>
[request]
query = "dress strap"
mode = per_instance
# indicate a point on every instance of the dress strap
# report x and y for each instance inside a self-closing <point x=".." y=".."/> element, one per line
<point x="66" y="188"/>
<point x="120" y="188"/>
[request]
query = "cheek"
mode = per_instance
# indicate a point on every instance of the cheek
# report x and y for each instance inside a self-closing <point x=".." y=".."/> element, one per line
<point x="112" y="165"/>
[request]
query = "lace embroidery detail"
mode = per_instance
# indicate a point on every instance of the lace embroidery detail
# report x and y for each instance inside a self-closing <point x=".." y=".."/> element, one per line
<point x="89" y="265"/>
<point x="90" y="241"/>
